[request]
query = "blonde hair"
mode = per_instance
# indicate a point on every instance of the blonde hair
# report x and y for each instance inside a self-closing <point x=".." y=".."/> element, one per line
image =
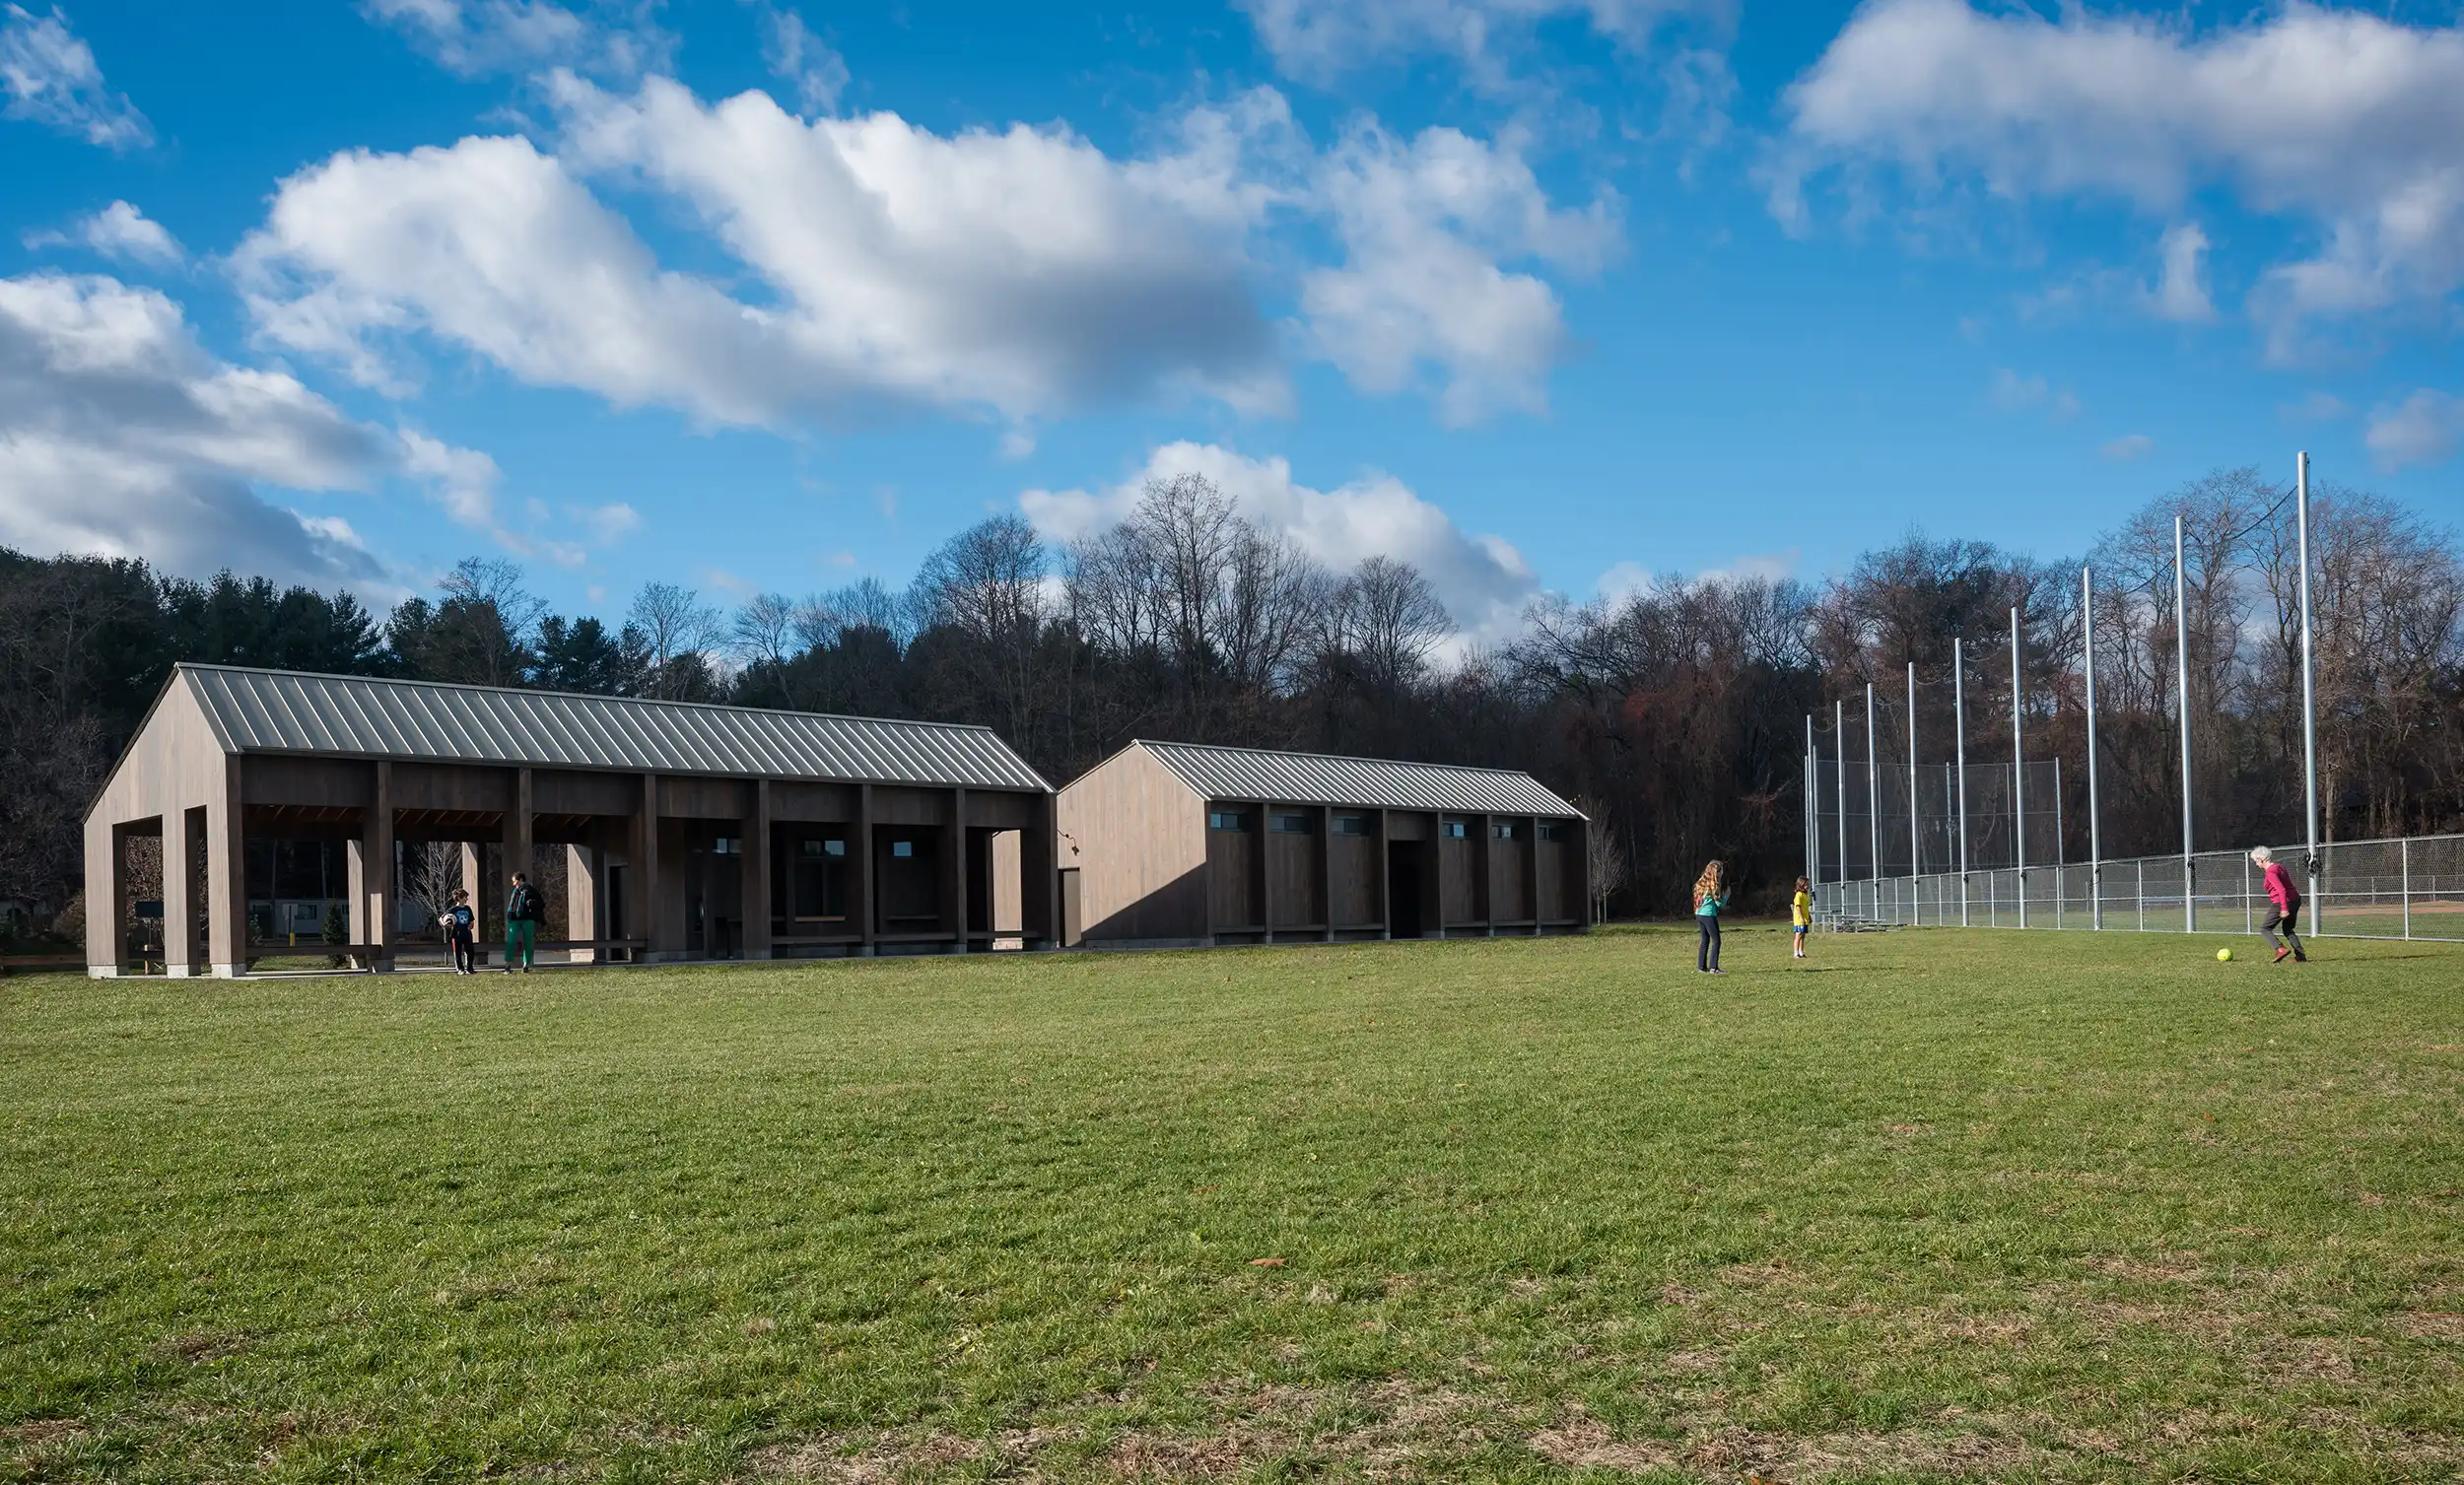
<point x="2262" y="855"/>
<point x="1709" y="883"/>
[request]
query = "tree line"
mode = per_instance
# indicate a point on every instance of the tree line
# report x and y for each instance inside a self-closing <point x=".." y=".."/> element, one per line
<point x="1673" y="714"/>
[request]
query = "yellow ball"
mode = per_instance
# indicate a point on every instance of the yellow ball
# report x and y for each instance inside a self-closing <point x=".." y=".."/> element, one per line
<point x="2224" y="956"/>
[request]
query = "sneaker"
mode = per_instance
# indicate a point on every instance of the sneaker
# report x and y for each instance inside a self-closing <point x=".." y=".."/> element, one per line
<point x="2281" y="954"/>
<point x="2300" y="957"/>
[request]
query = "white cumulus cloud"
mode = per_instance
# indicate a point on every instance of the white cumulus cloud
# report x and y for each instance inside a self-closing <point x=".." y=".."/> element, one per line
<point x="802" y="60"/>
<point x="1483" y="582"/>
<point x="1425" y="226"/>
<point x="118" y="231"/>
<point x="51" y="77"/>
<point x="2426" y="428"/>
<point x="2181" y="289"/>
<point x="1023" y="271"/>
<point x="1321" y="39"/>
<point x="2340" y="119"/>
<point x="474" y="38"/>
<point x="118" y="435"/>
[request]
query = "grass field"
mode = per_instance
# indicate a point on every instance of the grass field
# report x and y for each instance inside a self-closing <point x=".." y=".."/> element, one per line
<point x="1933" y="1206"/>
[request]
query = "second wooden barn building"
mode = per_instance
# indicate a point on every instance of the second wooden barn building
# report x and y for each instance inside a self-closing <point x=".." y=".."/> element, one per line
<point x="1178" y="844"/>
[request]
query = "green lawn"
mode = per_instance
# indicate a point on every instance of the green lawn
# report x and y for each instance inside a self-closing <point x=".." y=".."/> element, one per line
<point x="1933" y="1206"/>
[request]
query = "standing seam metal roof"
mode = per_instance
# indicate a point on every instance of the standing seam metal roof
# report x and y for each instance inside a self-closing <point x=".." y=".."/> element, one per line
<point x="1366" y="782"/>
<point x="290" y="711"/>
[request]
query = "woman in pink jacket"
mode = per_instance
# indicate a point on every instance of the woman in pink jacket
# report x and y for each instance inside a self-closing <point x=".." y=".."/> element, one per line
<point x="2286" y="898"/>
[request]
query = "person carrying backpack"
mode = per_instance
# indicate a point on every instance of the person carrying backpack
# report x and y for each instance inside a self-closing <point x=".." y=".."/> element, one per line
<point x="460" y="928"/>
<point x="521" y="923"/>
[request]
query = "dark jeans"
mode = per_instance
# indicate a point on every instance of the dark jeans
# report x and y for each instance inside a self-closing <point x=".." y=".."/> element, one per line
<point x="461" y="951"/>
<point x="1707" y="947"/>
<point x="2282" y="917"/>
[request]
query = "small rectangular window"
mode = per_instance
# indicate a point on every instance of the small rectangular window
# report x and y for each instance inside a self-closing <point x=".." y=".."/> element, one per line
<point x="901" y="848"/>
<point x="1351" y="825"/>
<point x="1503" y="830"/>
<point x="825" y="847"/>
<point x="1456" y="830"/>
<point x="1295" y="825"/>
<point x="1552" y="831"/>
<point x="1228" y="820"/>
<point x="727" y="845"/>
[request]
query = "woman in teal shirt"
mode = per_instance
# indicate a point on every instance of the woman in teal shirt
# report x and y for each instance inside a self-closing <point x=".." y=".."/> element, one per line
<point x="1710" y="896"/>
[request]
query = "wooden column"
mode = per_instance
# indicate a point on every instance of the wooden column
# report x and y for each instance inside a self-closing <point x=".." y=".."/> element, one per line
<point x="1264" y="898"/>
<point x="1326" y="869"/>
<point x="1484" y="833"/>
<point x="642" y="912"/>
<point x="372" y="871"/>
<point x="1437" y="874"/>
<point x="517" y="832"/>
<point x="867" y="908"/>
<point x="1039" y="877"/>
<point x="180" y="893"/>
<point x="954" y="872"/>
<point x="755" y="864"/>
<point x="1531" y="873"/>
<point x="1384" y="868"/>
<point x="582" y="901"/>
<point x="226" y="876"/>
<point x="106" y="937"/>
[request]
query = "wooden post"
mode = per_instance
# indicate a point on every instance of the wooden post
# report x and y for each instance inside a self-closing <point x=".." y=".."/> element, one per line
<point x="1437" y="873"/>
<point x="641" y="913"/>
<point x="954" y="872"/>
<point x="373" y="882"/>
<point x="867" y="908"/>
<point x="1385" y="870"/>
<point x="180" y="894"/>
<point x="1266" y="877"/>
<point x="755" y="866"/>
<point x="1039" y="876"/>
<point x="1578" y="873"/>
<point x="227" y="875"/>
<point x="517" y="832"/>
<point x="1485" y="829"/>
<point x="1326" y="869"/>
<point x="106" y="936"/>
<point x="582" y="901"/>
<point x="1531" y="873"/>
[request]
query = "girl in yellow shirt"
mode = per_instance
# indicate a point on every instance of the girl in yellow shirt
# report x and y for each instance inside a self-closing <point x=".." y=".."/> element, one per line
<point x="1801" y="914"/>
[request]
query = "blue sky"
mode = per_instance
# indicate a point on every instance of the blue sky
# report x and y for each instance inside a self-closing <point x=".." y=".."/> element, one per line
<point x="751" y="294"/>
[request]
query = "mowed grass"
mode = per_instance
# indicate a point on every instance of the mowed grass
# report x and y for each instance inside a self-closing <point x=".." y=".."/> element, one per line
<point x="1933" y="1206"/>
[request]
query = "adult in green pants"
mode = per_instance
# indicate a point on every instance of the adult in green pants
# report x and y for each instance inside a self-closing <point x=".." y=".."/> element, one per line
<point x="521" y="923"/>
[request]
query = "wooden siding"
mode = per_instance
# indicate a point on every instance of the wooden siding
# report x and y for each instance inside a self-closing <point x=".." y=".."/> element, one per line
<point x="566" y="791"/>
<point x="1355" y="865"/>
<point x="819" y="804"/>
<point x="1137" y="838"/>
<point x="1295" y="891"/>
<point x="1232" y="877"/>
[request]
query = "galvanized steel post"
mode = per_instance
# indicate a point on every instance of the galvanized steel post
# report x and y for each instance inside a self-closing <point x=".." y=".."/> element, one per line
<point x="2095" y="836"/>
<point x="1959" y="726"/>
<point x="2181" y="667"/>
<point x="2309" y="689"/>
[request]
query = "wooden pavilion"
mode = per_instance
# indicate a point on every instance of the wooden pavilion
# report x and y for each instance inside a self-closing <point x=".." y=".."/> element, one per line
<point x="688" y="831"/>
<point x="1183" y="843"/>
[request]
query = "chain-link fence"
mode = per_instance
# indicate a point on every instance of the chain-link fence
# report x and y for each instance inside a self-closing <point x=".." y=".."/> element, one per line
<point x="2412" y="888"/>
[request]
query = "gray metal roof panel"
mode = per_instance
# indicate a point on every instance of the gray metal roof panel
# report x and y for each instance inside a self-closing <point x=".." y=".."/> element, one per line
<point x="289" y="712"/>
<point x="1364" y="783"/>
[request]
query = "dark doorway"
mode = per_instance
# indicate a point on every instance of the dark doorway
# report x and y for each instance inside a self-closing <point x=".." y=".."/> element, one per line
<point x="1403" y="889"/>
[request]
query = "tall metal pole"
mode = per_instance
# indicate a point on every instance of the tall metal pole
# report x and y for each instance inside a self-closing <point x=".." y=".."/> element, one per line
<point x="1916" y="837"/>
<point x="1960" y="725"/>
<point x="1839" y="734"/>
<point x="2019" y="772"/>
<point x="2181" y="671"/>
<point x="1814" y="808"/>
<point x="2309" y="689"/>
<point x="2096" y="824"/>
<point x="1873" y="790"/>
